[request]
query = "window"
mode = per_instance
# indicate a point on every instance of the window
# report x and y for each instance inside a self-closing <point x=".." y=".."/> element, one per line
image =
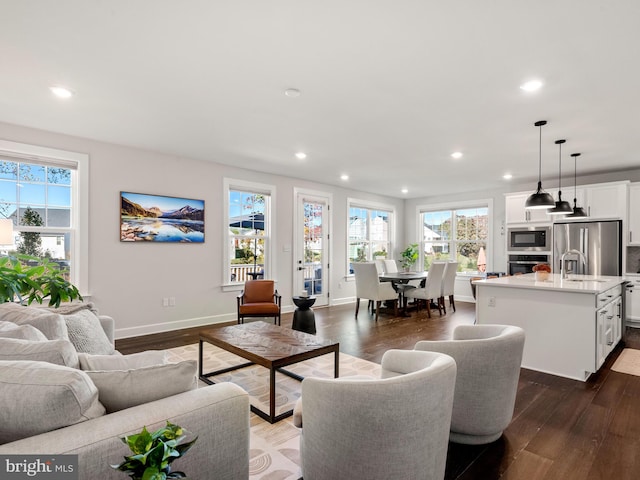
<point x="456" y="234"/>
<point x="45" y="192"/>
<point x="369" y="232"/>
<point x="248" y="221"/>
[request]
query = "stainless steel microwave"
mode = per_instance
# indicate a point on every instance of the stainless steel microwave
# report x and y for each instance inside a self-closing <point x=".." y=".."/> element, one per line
<point x="537" y="239"/>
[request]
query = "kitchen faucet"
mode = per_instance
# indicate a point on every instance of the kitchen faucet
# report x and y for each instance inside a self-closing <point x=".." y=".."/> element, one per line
<point x="563" y="266"/>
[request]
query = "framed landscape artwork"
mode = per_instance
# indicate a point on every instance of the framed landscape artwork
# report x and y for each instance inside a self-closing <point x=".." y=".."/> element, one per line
<point x="157" y="218"/>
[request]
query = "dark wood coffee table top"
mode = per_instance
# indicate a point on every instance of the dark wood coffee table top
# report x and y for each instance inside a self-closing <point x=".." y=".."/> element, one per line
<point x="268" y="345"/>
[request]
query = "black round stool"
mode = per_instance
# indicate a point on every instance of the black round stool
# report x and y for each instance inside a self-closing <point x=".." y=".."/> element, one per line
<point x="304" y="319"/>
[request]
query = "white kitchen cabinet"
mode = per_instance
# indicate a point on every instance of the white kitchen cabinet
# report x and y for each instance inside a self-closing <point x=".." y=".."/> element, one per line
<point x="632" y="302"/>
<point x="606" y="201"/>
<point x="608" y="322"/>
<point x="634" y="214"/>
<point x="516" y="213"/>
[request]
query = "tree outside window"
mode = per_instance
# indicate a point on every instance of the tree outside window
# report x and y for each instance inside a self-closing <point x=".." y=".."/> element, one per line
<point x="459" y="235"/>
<point x="37" y="198"/>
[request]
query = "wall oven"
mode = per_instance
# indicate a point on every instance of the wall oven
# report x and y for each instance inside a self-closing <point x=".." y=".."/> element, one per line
<point x="529" y="239"/>
<point x="524" y="263"/>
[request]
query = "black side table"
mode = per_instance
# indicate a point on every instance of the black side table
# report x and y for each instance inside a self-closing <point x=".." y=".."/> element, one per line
<point x="304" y="319"/>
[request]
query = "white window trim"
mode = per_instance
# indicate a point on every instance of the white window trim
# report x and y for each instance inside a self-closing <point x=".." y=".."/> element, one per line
<point x="79" y="199"/>
<point x="355" y="203"/>
<point x="482" y="202"/>
<point x="235" y="184"/>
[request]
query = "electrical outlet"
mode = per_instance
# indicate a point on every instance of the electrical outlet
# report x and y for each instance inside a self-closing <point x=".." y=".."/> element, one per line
<point x="165" y="302"/>
<point x="492" y="301"/>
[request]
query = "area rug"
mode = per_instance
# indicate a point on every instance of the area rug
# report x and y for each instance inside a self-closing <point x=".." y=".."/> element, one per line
<point x="628" y="362"/>
<point x="274" y="453"/>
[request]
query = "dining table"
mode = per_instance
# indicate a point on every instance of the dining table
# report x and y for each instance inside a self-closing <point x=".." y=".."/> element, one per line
<point x="400" y="281"/>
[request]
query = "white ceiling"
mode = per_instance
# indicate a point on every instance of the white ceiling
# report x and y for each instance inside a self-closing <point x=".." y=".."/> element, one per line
<point x="389" y="89"/>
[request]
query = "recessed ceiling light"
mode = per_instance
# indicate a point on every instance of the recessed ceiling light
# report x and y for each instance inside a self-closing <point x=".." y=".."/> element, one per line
<point x="344" y="177"/>
<point x="61" y="92"/>
<point x="531" y="86"/>
<point x="301" y="155"/>
<point x="405" y="190"/>
<point x="507" y="176"/>
<point x="292" y="92"/>
<point x="456" y="155"/>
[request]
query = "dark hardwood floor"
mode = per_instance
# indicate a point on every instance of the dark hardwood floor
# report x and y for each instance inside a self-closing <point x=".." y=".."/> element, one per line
<point x="561" y="429"/>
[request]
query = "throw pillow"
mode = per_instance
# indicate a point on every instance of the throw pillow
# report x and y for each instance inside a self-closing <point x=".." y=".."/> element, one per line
<point x="24" y="332"/>
<point x="38" y="397"/>
<point x="122" y="362"/>
<point x="120" y="389"/>
<point x="86" y="333"/>
<point x="59" y="352"/>
<point x="49" y="323"/>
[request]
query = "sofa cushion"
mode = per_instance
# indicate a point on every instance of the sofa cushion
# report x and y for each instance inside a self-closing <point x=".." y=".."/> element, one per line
<point x="49" y="323"/>
<point x="122" y="362"/>
<point x="38" y="397"/>
<point x="119" y="389"/>
<point x="86" y="333"/>
<point x="24" y="332"/>
<point x="59" y="352"/>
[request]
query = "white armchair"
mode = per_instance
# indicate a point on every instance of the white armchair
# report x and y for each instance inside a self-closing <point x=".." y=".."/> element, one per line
<point x="488" y="358"/>
<point x="396" y="427"/>
<point x="368" y="286"/>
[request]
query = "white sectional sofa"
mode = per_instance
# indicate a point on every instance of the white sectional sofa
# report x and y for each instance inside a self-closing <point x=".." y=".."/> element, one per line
<point x="66" y="413"/>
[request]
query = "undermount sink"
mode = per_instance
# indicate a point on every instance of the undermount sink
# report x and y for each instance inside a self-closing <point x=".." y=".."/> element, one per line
<point x="585" y="280"/>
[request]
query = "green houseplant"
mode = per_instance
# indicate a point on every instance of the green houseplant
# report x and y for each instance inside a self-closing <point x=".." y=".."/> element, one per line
<point x="154" y="452"/>
<point x="25" y="279"/>
<point x="409" y="256"/>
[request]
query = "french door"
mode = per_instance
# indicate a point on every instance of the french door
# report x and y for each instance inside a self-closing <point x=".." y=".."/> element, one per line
<point x="311" y="245"/>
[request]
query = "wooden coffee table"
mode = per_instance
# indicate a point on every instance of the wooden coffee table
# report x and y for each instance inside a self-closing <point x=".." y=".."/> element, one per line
<point x="271" y="346"/>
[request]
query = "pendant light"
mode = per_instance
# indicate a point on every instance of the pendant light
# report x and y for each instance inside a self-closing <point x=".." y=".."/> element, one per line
<point x="578" y="212"/>
<point x="562" y="206"/>
<point x="540" y="199"/>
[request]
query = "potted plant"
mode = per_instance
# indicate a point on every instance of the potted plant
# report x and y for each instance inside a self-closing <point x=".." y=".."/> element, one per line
<point x="409" y="256"/>
<point x="154" y="452"/>
<point x="25" y="278"/>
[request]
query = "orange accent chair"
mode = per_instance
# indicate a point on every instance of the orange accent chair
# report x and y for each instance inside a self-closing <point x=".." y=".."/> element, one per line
<point x="259" y="299"/>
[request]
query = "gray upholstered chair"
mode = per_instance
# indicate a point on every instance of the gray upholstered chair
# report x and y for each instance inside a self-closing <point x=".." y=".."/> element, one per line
<point x="488" y="358"/>
<point x="368" y="286"/>
<point x="395" y="427"/>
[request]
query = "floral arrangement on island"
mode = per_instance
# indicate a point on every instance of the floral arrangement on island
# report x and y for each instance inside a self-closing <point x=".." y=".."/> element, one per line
<point x="542" y="271"/>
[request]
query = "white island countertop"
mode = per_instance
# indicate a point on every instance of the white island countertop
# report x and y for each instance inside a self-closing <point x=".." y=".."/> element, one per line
<point x="555" y="282"/>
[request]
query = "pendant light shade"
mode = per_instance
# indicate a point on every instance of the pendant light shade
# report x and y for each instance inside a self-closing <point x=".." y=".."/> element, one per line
<point x="540" y="199"/>
<point x="562" y="206"/>
<point x="578" y="212"/>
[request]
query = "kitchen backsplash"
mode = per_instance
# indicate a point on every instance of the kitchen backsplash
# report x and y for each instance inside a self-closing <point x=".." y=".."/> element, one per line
<point x="633" y="260"/>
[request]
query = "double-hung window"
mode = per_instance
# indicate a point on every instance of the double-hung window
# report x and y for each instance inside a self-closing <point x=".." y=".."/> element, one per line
<point x="44" y="192"/>
<point x="459" y="234"/>
<point x="248" y="254"/>
<point x="370" y="232"/>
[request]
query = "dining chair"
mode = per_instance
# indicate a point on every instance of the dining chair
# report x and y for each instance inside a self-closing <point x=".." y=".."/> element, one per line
<point x="432" y="289"/>
<point x="259" y="299"/>
<point x="448" y="285"/>
<point x="368" y="286"/>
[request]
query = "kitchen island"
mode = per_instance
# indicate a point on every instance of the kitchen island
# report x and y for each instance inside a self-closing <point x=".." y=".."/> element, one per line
<point x="571" y="324"/>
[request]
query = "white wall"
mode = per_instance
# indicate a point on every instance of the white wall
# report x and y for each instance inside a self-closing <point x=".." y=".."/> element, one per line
<point x="129" y="280"/>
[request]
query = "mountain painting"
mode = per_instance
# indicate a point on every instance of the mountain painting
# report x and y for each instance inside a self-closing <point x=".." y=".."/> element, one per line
<point x="157" y="218"/>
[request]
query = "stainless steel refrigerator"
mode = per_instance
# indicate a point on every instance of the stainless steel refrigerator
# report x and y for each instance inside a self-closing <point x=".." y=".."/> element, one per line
<point x="599" y="242"/>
